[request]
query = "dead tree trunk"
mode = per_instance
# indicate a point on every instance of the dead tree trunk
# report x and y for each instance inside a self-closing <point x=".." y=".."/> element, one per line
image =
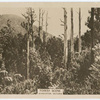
<point x="28" y="25"/>
<point x="72" y="26"/>
<point x="28" y="52"/>
<point x="42" y="19"/>
<point x="92" y="35"/>
<point x="65" y="38"/>
<point x="44" y="35"/>
<point x="39" y="22"/>
<point x="79" y="30"/>
<point x="46" y="22"/>
<point x="31" y="27"/>
<point x="43" y="25"/>
<point x="28" y="58"/>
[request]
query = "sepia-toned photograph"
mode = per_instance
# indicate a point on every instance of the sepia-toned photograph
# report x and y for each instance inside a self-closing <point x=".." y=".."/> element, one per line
<point x="49" y="49"/>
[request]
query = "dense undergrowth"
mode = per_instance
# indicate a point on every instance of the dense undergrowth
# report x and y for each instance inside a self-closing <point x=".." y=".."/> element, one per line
<point x="79" y="78"/>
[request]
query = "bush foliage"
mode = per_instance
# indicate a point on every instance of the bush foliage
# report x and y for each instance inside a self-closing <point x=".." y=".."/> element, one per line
<point x="46" y="66"/>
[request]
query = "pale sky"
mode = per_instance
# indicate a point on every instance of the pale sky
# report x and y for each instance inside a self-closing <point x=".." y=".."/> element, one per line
<point x="55" y="14"/>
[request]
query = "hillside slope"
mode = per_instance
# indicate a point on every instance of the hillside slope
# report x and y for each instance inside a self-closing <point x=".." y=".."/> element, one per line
<point x="16" y="24"/>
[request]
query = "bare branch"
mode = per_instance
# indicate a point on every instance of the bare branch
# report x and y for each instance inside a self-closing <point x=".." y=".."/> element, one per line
<point x="61" y="21"/>
<point x="65" y="10"/>
<point x="62" y="24"/>
<point x="24" y="16"/>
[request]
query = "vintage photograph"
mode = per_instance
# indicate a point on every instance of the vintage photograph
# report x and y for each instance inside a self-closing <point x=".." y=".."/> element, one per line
<point x="49" y="49"/>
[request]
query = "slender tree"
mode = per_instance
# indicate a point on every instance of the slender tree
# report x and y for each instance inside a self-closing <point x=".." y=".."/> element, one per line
<point x="43" y="24"/>
<point x="92" y="34"/>
<point x="28" y="25"/>
<point x="72" y="32"/>
<point x="28" y="52"/>
<point x="79" y="47"/>
<point x="32" y="20"/>
<point x="42" y="18"/>
<point x="44" y="34"/>
<point x="65" y="38"/>
<point x="39" y="22"/>
<point x="46" y="22"/>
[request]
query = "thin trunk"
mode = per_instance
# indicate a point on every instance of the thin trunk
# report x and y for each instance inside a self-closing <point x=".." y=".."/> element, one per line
<point x="72" y="26"/>
<point x="28" y="52"/>
<point x="80" y="30"/>
<point x="65" y="38"/>
<point x="39" y="22"/>
<point x="92" y="34"/>
<point x="28" y="58"/>
<point x="44" y="34"/>
<point x="33" y="40"/>
<point x="42" y="19"/>
<point x="32" y="29"/>
<point x="46" y="22"/>
<point x="42" y="26"/>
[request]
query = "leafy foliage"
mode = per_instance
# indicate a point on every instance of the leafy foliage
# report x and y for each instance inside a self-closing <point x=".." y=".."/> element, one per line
<point x="13" y="47"/>
<point x="26" y="87"/>
<point x="40" y="70"/>
<point x="55" y="49"/>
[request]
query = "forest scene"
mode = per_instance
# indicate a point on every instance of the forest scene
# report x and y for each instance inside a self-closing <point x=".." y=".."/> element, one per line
<point x="32" y="58"/>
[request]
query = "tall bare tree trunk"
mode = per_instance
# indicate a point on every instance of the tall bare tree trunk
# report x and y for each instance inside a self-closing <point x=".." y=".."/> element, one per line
<point x="44" y="34"/>
<point x="28" y="57"/>
<point x="42" y="26"/>
<point x="72" y="27"/>
<point x="39" y="22"/>
<point x="65" y="38"/>
<point x="42" y="19"/>
<point x="46" y="22"/>
<point x="30" y="18"/>
<point x="32" y="31"/>
<point x="28" y="52"/>
<point x="33" y="45"/>
<point x="80" y="30"/>
<point x="92" y="34"/>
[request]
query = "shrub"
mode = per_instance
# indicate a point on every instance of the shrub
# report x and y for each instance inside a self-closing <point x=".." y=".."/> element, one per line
<point x="40" y="71"/>
<point x="25" y="87"/>
<point x="74" y="79"/>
